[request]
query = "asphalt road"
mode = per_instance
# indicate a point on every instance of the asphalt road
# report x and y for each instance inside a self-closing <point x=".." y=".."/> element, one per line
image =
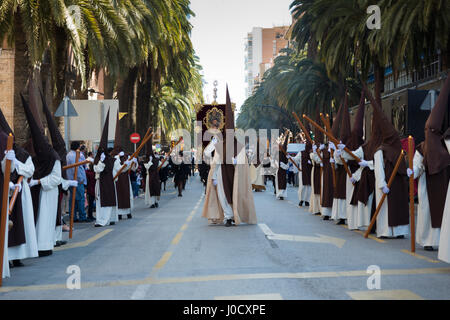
<point x="172" y="253"/>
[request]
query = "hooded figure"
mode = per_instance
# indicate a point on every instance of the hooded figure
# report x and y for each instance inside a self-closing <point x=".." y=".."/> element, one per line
<point x="280" y="178"/>
<point x="256" y="167"/>
<point x="153" y="183"/>
<point x="228" y="191"/>
<point x="105" y="191"/>
<point x="353" y="139"/>
<point x="123" y="184"/>
<point x="316" y="173"/>
<point x="59" y="146"/>
<point x="22" y="240"/>
<point x="304" y="177"/>
<point x="44" y="184"/>
<point x="393" y="218"/>
<point x="431" y="165"/>
<point x="444" y="241"/>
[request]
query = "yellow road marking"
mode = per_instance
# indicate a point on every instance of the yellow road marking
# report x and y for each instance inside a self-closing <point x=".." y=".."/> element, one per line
<point x="83" y="243"/>
<point x="418" y="256"/>
<point x="384" y="295"/>
<point x="177" y="238"/>
<point x="232" y="277"/>
<point x="184" y="227"/>
<point x="163" y="260"/>
<point x="370" y="237"/>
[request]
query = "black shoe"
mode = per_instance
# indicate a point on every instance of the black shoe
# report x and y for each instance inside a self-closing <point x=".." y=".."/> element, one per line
<point x="341" y="221"/>
<point x="98" y="225"/>
<point x="112" y="223"/>
<point x="180" y="195"/>
<point x="326" y="218"/>
<point x="228" y="224"/>
<point x="153" y="206"/>
<point x="129" y="216"/>
<point x="300" y="203"/>
<point x="17" y="263"/>
<point x="306" y="204"/>
<point x="120" y="217"/>
<point x="157" y="205"/>
<point x="400" y="237"/>
<point x="45" y="253"/>
<point x="60" y="243"/>
<point x="281" y="198"/>
<point x="428" y="248"/>
<point x="317" y="214"/>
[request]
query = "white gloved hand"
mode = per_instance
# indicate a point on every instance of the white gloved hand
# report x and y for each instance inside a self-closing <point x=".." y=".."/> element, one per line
<point x="11" y="186"/>
<point x="33" y="182"/>
<point x="386" y="190"/>
<point x="214" y="140"/>
<point x="234" y="160"/>
<point x="127" y="163"/>
<point x="151" y="159"/>
<point x="91" y="160"/>
<point x="314" y="148"/>
<point x="338" y="153"/>
<point x="102" y="157"/>
<point x="73" y="183"/>
<point x="321" y="164"/>
<point x="363" y="163"/>
<point x="321" y="147"/>
<point x="341" y="146"/>
<point x="10" y="155"/>
<point x="121" y="154"/>
<point x="352" y="180"/>
<point x="309" y="162"/>
<point x="409" y="172"/>
<point x="331" y="146"/>
<point x="214" y="181"/>
<point x="332" y="160"/>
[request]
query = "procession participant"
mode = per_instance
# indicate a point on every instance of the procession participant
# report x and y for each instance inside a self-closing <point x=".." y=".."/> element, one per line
<point x="282" y="164"/>
<point x="393" y="218"/>
<point x="44" y="184"/>
<point x="432" y="164"/>
<point x="22" y="236"/>
<point x="105" y="191"/>
<point x="304" y="177"/>
<point x="153" y="185"/>
<point x="164" y="173"/>
<point x="339" y="213"/>
<point x="59" y="146"/>
<point x="179" y="174"/>
<point x="256" y="169"/>
<point x="444" y="239"/>
<point x="5" y="155"/>
<point x="354" y="143"/>
<point x="228" y="193"/>
<point x="326" y="204"/>
<point x="316" y="178"/>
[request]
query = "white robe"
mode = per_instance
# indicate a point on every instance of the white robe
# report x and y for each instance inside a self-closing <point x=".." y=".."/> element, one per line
<point x="352" y="210"/>
<point x="425" y="234"/>
<point x="58" y="230"/>
<point x="314" y="201"/>
<point x="102" y="214"/>
<point x="48" y="206"/>
<point x="444" y="241"/>
<point x="29" y="249"/>
<point x="304" y="192"/>
<point x="383" y="229"/>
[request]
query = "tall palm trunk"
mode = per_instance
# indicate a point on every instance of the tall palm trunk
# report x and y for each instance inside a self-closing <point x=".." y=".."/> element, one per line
<point x="126" y="95"/>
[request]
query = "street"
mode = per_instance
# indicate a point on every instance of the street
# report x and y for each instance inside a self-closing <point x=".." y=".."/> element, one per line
<point x="172" y="253"/>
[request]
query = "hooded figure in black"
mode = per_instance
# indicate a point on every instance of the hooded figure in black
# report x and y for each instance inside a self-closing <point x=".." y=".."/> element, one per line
<point x="22" y="242"/>
<point x="105" y="191"/>
<point x="44" y="183"/>
<point x="153" y="183"/>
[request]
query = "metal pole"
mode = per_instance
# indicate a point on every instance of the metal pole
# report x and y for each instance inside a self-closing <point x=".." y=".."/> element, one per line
<point x="66" y="122"/>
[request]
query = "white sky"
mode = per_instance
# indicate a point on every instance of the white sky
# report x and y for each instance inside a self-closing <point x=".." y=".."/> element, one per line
<point x="219" y="31"/>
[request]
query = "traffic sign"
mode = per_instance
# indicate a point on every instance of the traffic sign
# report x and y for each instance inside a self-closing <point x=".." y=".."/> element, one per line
<point x="135" y="138"/>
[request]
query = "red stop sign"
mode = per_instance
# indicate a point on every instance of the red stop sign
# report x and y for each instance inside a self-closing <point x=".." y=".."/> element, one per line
<point x="135" y="138"/>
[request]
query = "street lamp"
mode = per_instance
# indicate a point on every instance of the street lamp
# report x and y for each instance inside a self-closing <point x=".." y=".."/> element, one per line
<point x="92" y="91"/>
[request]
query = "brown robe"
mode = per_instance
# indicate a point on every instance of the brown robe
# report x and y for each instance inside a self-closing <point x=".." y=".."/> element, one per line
<point x="327" y="173"/>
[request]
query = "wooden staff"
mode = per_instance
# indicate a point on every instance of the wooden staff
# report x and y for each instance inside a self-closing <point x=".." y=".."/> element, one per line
<point x="171" y="149"/>
<point x="14" y="196"/>
<point x="332" y="138"/>
<point x="76" y="164"/>
<point x="284" y="151"/>
<point x="411" y="194"/>
<point x="306" y="132"/>
<point x="134" y="155"/>
<point x="333" y="170"/>
<point x="74" y="191"/>
<point x="391" y="179"/>
<point x="6" y="176"/>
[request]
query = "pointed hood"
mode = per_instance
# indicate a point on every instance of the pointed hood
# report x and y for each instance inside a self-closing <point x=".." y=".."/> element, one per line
<point x="103" y="146"/>
<point x="45" y="156"/>
<point x="117" y="142"/>
<point x="149" y="147"/>
<point x="21" y="153"/>
<point x="229" y="114"/>
<point x="337" y="122"/>
<point x="436" y="156"/>
<point x="356" y="139"/>
<point x="345" y="127"/>
<point x="318" y="135"/>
